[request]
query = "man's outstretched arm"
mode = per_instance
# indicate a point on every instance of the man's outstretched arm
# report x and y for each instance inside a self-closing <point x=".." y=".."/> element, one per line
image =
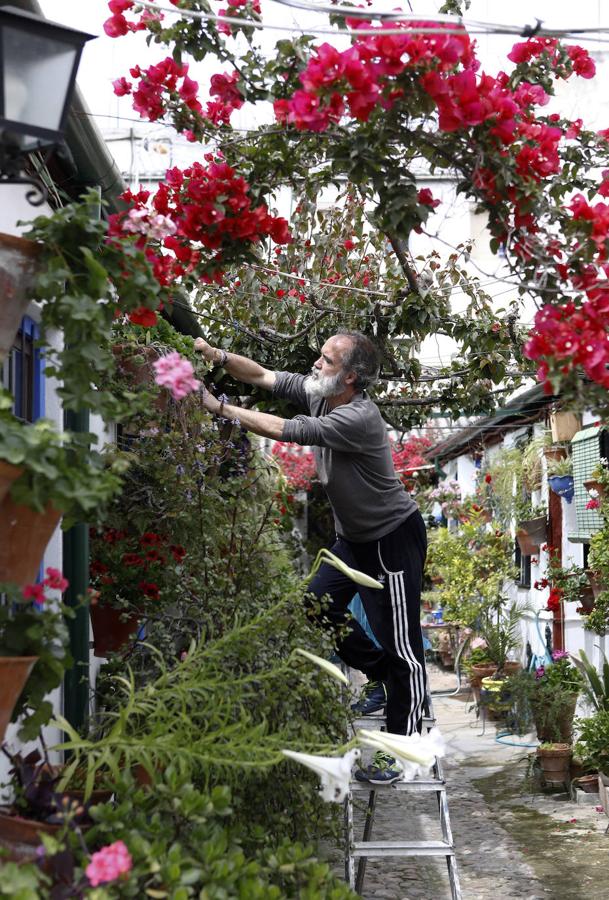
<point x="241" y="368"/>
<point x="260" y="423"/>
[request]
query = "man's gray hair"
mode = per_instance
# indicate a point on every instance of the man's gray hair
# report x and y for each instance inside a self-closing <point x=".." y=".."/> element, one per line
<point x="362" y="357"/>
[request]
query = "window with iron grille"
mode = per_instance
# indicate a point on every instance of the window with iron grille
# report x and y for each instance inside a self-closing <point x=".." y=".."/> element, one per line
<point x="523" y="567"/>
<point x="22" y="373"/>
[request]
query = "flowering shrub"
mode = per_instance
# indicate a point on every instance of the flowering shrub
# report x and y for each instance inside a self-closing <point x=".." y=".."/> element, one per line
<point x="561" y="675"/>
<point x="297" y="464"/>
<point x="448" y="495"/>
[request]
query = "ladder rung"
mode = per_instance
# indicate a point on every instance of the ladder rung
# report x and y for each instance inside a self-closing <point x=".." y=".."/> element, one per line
<point x="363" y="721"/>
<point x="414" y="787"/>
<point x="402" y="848"/>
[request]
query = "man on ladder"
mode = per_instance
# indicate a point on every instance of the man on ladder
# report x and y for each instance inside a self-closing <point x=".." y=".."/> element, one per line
<point x="378" y="526"/>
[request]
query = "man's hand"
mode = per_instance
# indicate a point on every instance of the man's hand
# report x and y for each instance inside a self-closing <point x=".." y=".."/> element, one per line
<point x="209" y="401"/>
<point x="210" y="353"/>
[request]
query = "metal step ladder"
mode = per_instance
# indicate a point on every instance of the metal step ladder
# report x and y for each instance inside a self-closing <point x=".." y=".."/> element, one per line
<point x="369" y="848"/>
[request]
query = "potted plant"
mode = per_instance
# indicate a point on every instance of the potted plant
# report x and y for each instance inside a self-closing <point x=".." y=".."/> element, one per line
<point x="593" y="741"/>
<point x="531" y="529"/>
<point x="58" y="475"/>
<point x="499" y="627"/>
<point x="33" y="652"/>
<point x="550" y="691"/>
<point x="554" y="760"/>
<point x="560" y="477"/>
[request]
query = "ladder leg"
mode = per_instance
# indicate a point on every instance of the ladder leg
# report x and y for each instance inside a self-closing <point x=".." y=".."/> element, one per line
<point x="349" y="858"/>
<point x="368" y="825"/>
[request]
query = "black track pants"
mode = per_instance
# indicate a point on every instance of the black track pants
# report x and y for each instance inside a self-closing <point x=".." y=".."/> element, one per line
<point x="397" y="561"/>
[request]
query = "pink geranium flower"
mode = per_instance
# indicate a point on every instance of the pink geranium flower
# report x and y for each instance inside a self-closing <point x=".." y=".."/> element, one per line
<point x="55" y="580"/>
<point x="109" y="863"/>
<point x="34" y="592"/>
<point x="177" y="374"/>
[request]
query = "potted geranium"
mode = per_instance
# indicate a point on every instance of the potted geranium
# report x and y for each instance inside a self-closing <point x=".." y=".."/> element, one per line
<point x="550" y="691"/>
<point x="56" y="473"/>
<point x="33" y="652"/>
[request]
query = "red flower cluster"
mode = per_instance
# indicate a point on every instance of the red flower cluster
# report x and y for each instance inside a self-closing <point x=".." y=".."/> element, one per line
<point x="154" y="83"/>
<point x="167" y="85"/>
<point x="297" y="465"/>
<point x="210" y="209"/>
<point x="554" y="600"/>
<point x="128" y="562"/>
<point x="408" y="457"/>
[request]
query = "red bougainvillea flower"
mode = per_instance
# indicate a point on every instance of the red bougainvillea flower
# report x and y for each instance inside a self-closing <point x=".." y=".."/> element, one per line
<point x="143" y="316"/>
<point x="34" y="592"/>
<point x="55" y="580"/>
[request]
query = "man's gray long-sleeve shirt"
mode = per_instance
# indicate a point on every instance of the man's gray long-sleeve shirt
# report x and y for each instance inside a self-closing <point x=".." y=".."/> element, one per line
<point x="353" y="459"/>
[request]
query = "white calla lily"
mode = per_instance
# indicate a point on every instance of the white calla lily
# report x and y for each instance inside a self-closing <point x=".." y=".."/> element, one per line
<point x="334" y="771"/>
<point x="326" y="556"/>
<point x="416" y="753"/>
<point x="324" y="664"/>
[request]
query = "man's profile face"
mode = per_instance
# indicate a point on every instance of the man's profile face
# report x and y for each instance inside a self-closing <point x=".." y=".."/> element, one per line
<point x="327" y="378"/>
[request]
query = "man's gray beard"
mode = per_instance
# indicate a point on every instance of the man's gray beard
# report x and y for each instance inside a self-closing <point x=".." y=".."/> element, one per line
<point x="324" y="386"/>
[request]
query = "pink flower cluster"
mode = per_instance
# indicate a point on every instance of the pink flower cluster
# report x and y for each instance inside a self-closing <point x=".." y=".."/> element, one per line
<point x="361" y="77"/>
<point x="210" y="207"/>
<point x="118" y="25"/>
<point x="54" y="581"/>
<point x="234" y="6"/>
<point x="177" y="374"/>
<point x="109" y="863"/>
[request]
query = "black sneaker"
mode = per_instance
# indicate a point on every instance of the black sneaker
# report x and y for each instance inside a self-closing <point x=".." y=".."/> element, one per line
<point x="384" y="769"/>
<point x="372" y="699"/>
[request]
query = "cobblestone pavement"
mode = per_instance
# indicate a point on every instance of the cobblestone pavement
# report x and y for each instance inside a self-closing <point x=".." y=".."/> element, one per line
<point x="513" y="840"/>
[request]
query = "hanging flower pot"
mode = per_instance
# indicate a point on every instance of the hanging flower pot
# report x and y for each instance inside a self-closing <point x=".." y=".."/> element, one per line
<point x="24" y="535"/>
<point x="554" y="453"/>
<point x="18" y="267"/>
<point x="591" y="484"/>
<point x="113" y="628"/>
<point x="530" y="534"/>
<point x="564" y="425"/>
<point x="14" y="672"/>
<point x="596" y="582"/>
<point x="8" y="474"/>
<point x="563" y="485"/>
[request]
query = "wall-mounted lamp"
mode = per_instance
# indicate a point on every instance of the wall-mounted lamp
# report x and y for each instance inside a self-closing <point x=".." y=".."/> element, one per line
<point x="38" y="65"/>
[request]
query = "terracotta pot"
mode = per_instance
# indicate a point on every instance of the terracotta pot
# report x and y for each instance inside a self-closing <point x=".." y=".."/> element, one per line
<point x="531" y="533"/>
<point x="596" y="582"/>
<point x="24" y="535"/>
<point x="554" y="762"/>
<point x="19" y="262"/>
<point x="8" y="474"/>
<point x="112" y="628"/>
<point x="564" y="425"/>
<point x="14" y="672"/>
<point x="476" y="674"/>
<point x="21" y="837"/>
<point x="554" y="452"/>
<point x="528" y="547"/>
<point x="591" y="484"/>
<point x="587" y="783"/>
